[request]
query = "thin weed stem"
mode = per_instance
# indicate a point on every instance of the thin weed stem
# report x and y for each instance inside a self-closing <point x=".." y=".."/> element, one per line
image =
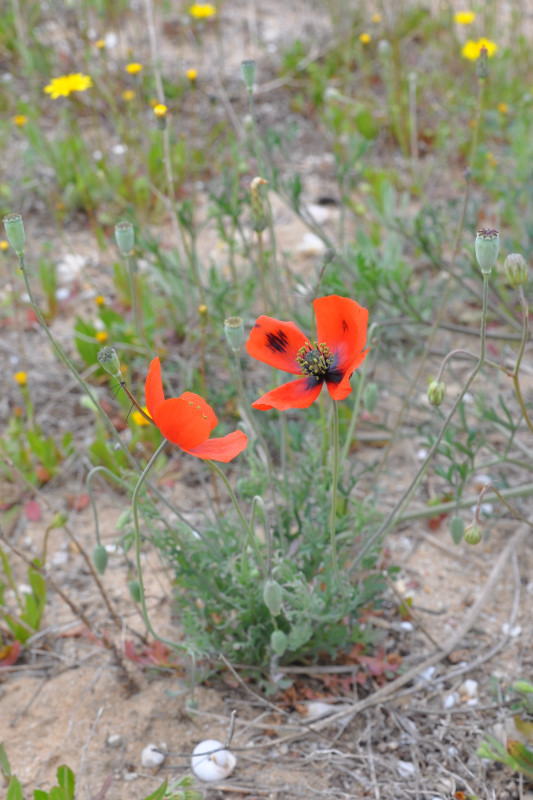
<point x="333" y="516"/>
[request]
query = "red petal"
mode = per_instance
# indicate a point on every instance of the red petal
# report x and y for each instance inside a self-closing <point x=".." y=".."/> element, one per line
<point x="153" y="388"/>
<point x="296" y="394"/>
<point x="225" y="448"/>
<point x="339" y="391"/>
<point x="341" y="323"/>
<point x="276" y="343"/>
<point x="205" y="407"/>
<point x="183" y="422"/>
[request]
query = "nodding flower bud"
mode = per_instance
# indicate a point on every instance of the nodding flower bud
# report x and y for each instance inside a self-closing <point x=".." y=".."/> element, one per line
<point x="259" y="218"/>
<point x="100" y="558"/>
<point x="436" y="392"/>
<point x="272" y="596"/>
<point x="108" y="359"/>
<point x="248" y="74"/>
<point x="15" y="233"/>
<point x="472" y="534"/>
<point x="515" y="270"/>
<point x="487" y="248"/>
<point x="124" y="237"/>
<point x="278" y="642"/>
<point x="234" y="330"/>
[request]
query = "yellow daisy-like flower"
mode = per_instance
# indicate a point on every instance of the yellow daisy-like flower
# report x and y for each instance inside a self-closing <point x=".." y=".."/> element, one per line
<point x="134" y="68"/>
<point x="66" y="84"/>
<point x="464" y="17"/>
<point x="4" y="245"/>
<point x="21" y="378"/>
<point x="376" y="18"/>
<point x="192" y="74"/>
<point x="365" y="38"/>
<point x="128" y="95"/>
<point x="160" y="110"/>
<point x="100" y="44"/>
<point x="202" y="10"/>
<point x="101" y="337"/>
<point x="472" y="50"/>
<point x="138" y="418"/>
<point x="503" y="108"/>
<point x="99" y="300"/>
<point x="20" y="120"/>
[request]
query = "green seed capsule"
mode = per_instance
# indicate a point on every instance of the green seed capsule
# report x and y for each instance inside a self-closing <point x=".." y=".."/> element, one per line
<point x="135" y="590"/>
<point x="100" y="558"/>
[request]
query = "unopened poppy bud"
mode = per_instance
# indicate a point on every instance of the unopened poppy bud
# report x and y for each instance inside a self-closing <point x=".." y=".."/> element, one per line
<point x="248" y="74"/>
<point x="472" y="534"/>
<point x="523" y="686"/>
<point x="436" y="392"/>
<point x="457" y="528"/>
<point x="272" y="596"/>
<point x="259" y="218"/>
<point x="487" y="248"/>
<point x="278" y="642"/>
<point x="515" y="270"/>
<point x="15" y="233"/>
<point x="234" y="330"/>
<point x="370" y="397"/>
<point x="108" y="360"/>
<point x="60" y="519"/>
<point x="135" y="590"/>
<point x="482" y="64"/>
<point x="100" y="558"/>
<point x="124" y="237"/>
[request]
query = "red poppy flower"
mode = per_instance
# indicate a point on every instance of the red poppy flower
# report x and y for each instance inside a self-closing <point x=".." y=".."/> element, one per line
<point x="188" y="420"/>
<point x="341" y="335"/>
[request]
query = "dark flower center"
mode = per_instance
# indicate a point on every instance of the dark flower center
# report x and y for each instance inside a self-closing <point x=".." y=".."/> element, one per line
<point x="315" y="360"/>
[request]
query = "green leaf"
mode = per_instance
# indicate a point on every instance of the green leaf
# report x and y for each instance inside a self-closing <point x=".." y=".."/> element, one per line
<point x="67" y="781"/>
<point x="159" y="793"/>
<point x="4" y="761"/>
<point x="14" y="791"/>
<point x="40" y="794"/>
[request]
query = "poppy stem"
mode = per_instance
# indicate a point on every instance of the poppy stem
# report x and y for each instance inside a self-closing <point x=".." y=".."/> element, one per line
<point x="247" y="528"/>
<point x="335" y="479"/>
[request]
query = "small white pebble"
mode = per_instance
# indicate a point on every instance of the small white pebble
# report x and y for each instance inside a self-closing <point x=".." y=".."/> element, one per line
<point x="451" y="700"/>
<point x="119" y="149"/>
<point x="60" y="558"/>
<point x="406" y="768"/>
<point x="427" y="674"/>
<point x="151" y="756"/>
<point x="114" y="740"/>
<point x="470" y="687"/>
<point x="63" y="293"/>
<point x="422" y="454"/>
<point x="512" y="632"/>
<point x="25" y="589"/>
<point x="406" y="626"/>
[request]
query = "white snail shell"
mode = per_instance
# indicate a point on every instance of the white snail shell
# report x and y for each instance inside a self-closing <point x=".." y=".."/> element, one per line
<point x="209" y="766"/>
<point x="152" y="756"/>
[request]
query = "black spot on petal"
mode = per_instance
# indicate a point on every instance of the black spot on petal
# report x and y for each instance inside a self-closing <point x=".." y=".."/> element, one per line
<point x="344" y="325"/>
<point x="277" y="341"/>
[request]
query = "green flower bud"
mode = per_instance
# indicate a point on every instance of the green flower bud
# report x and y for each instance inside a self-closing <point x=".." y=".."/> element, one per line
<point x="370" y="397"/>
<point x="108" y="360"/>
<point x="259" y="218"/>
<point x="487" y="248"/>
<point x="457" y="528"/>
<point x="14" y="227"/>
<point x="135" y="590"/>
<point x="515" y="270"/>
<point x="248" y="74"/>
<point x="272" y="596"/>
<point x="524" y="687"/>
<point x="234" y="330"/>
<point x="482" y="64"/>
<point x="100" y="558"/>
<point x="472" y="534"/>
<point x="124" y="237"/>
<point x="278" y="642"/>
<point x="436" y="392"/>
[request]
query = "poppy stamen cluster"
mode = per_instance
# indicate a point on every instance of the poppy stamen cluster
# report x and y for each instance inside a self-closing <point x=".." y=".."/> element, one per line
<point x="315" y="360"/>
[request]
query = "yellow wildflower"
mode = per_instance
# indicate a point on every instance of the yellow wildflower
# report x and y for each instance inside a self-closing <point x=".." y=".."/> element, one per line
<point x="134" y="68"/>
<point x="138" y="418"/>
<point x="100" y="44"/>
<point x="491" y="159"/>
<point x="21" y="378"/>
<point x="66" y="84"/>
<point x="20" y="120"/>
<point x="160" y="110"/>
<point x="472" y="50"/>
<point x="192" y="74"/>
<point x="464" y="17"/>
<point x="202" y="10"/>
<point x="503" y="108"/>
<point x="99" y="300"/>
<point x="128" y="95"/>
<point x="365" y="38"/>
<point x="376" y="18"/>
<point x="101" y="337"/>
<point x="4" y="245"/>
